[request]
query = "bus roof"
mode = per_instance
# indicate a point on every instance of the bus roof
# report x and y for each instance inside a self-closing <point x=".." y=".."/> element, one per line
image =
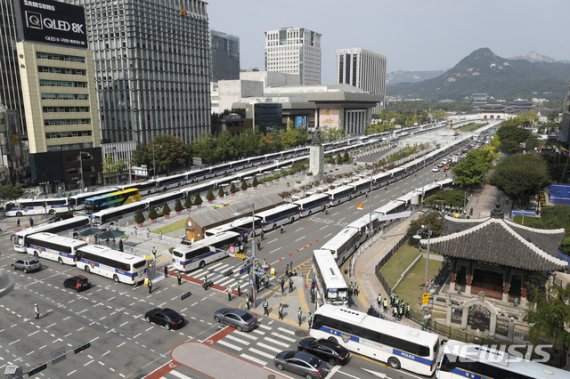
<point x="387" y="208"/>
<point x="503" y="360"/>
<point x="328" y="269"/>
<point x="50" y="226"/>
<point x="339" y="239"/>
<point x="339" y="190"/>
<point x="38" y="200"/>
<point x="112" y="210"/>
<point x="242" y="222"/>
<point x="207" y="241"/>
<point x="315" y="197"/>
<point x="54" y="238"/>
<point x="283" y="207"/>
<point x="378" y="324"/>
<point x="93" y="193"/>
<point x="107" y="252"/>
<point x="363" y="221"/>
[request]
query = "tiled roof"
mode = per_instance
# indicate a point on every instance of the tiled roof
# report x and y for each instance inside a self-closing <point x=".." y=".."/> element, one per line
<point x="501" y="242"/>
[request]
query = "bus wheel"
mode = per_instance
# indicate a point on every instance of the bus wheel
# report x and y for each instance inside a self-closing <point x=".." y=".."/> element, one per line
<point x="36" y="254"/>
<point x="18" y="214"/>
<point x="202" y="264"/>
<point x="60" y="261"/>
<point x="116" y="278"/>
<point x="87" y="270"/>
<point x="333" y="340"/>
<point x="394" y="363"/>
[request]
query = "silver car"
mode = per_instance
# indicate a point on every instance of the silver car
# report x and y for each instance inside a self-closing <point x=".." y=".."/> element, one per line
<point x="241" y="320"/>
<point x="27" y="264"/>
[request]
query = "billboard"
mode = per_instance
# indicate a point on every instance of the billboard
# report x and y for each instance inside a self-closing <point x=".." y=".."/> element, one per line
<point x="301" y="122"/>
<point x="329" y="117"/>
<point x="52" y="22"/>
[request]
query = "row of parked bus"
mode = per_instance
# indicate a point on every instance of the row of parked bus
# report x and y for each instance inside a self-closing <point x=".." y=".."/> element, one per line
<point x="108" y="197"/>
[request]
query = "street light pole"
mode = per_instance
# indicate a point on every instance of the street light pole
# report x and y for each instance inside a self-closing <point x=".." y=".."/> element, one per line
<point x="82" y="184"/>
<point x="427" y="258"/>
<point x="153" y="163"/>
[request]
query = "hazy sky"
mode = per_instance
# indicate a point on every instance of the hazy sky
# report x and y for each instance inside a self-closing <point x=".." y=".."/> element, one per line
<point x="412" y="34"/>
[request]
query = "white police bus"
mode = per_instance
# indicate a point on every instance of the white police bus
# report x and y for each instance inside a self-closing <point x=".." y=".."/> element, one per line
<point x="312" y="204"/>
<point x="343" y="244"/>
<point x="53" y="247"/>
<point x="332" y="285"/>
<point x="191" y="257"/>
<point x="396" y="344"/>
<point x="31" y="207"/>
<point x="280" y="215"/>
<point x="461" y="360"/>
<point x="243" y="226"/>
<point x="117" y="265"/>
<point x="19" y="238"/>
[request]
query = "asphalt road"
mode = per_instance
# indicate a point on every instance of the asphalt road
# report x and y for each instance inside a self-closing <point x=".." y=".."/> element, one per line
<point x="109" y="316"/>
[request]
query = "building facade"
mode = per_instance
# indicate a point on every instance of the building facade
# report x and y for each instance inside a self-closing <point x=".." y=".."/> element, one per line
<point x="294" y="51"/>
<point x="13" y="161"/>
<point x="363" y="69"/>
<point x="225" y="56"/>
<point x="59" y="95"/>
<point x="152" y="67"/>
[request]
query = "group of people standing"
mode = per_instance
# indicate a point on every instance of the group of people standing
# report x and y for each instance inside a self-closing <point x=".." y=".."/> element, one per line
<point x="399" y="307"/>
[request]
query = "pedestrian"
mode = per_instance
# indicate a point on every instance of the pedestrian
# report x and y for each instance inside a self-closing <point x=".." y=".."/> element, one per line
<point x="385" y="304"/>
<point x="356" y="289"/>
<point x="282" y="285"/>
<point x="154" y="252"/>
<point x="205" y="278"/>
<point x="229" y="292"/>
<point x="309" y="319"/>
<point x="300" y="316"/>
<point x="379" y="300"/>
<point x="290" y="285"/>
<point x="37" y="310"/>
<point x="31" y="222"/>
<point x="266" y="308"/>
<point x="179" y="278"/>
<point x="281" y="309"/>
<point x="18" y="223"/>
<point x="287" y="270"/>
<point x="149" y="286"/>
<point x="165" y="271"/>
<point x="145" y="282"/>
<point x="247" y="301"/>
<point x="266" y="280"/>
<point x="239" y="289"/>
<point x="259" y="244"/>
<point x="121" y="245"/>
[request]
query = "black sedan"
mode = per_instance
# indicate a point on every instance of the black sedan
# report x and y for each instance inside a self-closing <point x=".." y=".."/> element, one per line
<point x="302" y="363"/>
<point x="77" y="283"/>
<point x="327" y="350"/>
<point x="165" y="317"/>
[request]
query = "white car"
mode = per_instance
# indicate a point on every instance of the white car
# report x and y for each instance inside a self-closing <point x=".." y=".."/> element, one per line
<point x="435" y="169"/>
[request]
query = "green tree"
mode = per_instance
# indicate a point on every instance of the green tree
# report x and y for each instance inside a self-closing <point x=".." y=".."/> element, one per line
<point x="233" y="188"/>
<point x="512" y="134"/>
<point x="139" y="217"/>
<point x="243" y="185"/>
<point x="198" y="199"/>
<point x="11" y="191"/>
<point x="165" y="209"/>
<point x="178" y="206"/>
<point x="112" y="167"/>
<point x="521" y="177"/>
<point x="210" y="195"/>
<point x="152" y="214"/>
<point x="255" y="183"/>
<point x="168" y="152"/>
<point x="346" y="157"/>
<point x="188" y="202"/>
<point x="471" y="170"/>
<point x="221" y="192"/>
<point x="550" y="316"/>
<point x="433" y="220"/>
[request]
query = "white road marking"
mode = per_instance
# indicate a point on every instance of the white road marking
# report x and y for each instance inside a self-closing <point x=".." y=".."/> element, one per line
<point x="253" y="359"/>
<point x="262" y="353"/>
<point x="300" y="238"/>
<point x="230" y="345"/>
<point x="179" y="375"/>
<point x="324" y="227"/>
<point x="283" y="337"/>
<point x="277" y="342"/>
<point x="261" y="344"/>
<point x="238" y="340"/>
<point x="286" y="330"/>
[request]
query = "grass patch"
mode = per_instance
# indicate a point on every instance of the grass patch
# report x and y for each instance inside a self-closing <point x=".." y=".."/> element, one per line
<point x="533" y="222"/>
<point x="471" y="127"/>
<point x="401" y="259"/>
<point x="410" y="289"/>
<point x="172" y="227"/>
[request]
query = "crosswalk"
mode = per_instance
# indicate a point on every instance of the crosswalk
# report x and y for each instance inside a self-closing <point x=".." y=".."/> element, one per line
<point x="175" y="374"/>
<point x="216" y="273"/>
<point x="262" y="344"/>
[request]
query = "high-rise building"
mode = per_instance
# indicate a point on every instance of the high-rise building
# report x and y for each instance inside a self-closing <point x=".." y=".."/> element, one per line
<point x="294" y="51"/>
<point x="152" y="67"/>
<point x="363" y="69"/>
<point x="59" y="95"/>
<point x="225" y="56"/>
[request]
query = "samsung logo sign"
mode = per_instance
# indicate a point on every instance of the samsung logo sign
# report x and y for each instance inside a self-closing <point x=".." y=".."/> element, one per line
<point x="35" y="20"/>
<point x="35" y="4"/>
